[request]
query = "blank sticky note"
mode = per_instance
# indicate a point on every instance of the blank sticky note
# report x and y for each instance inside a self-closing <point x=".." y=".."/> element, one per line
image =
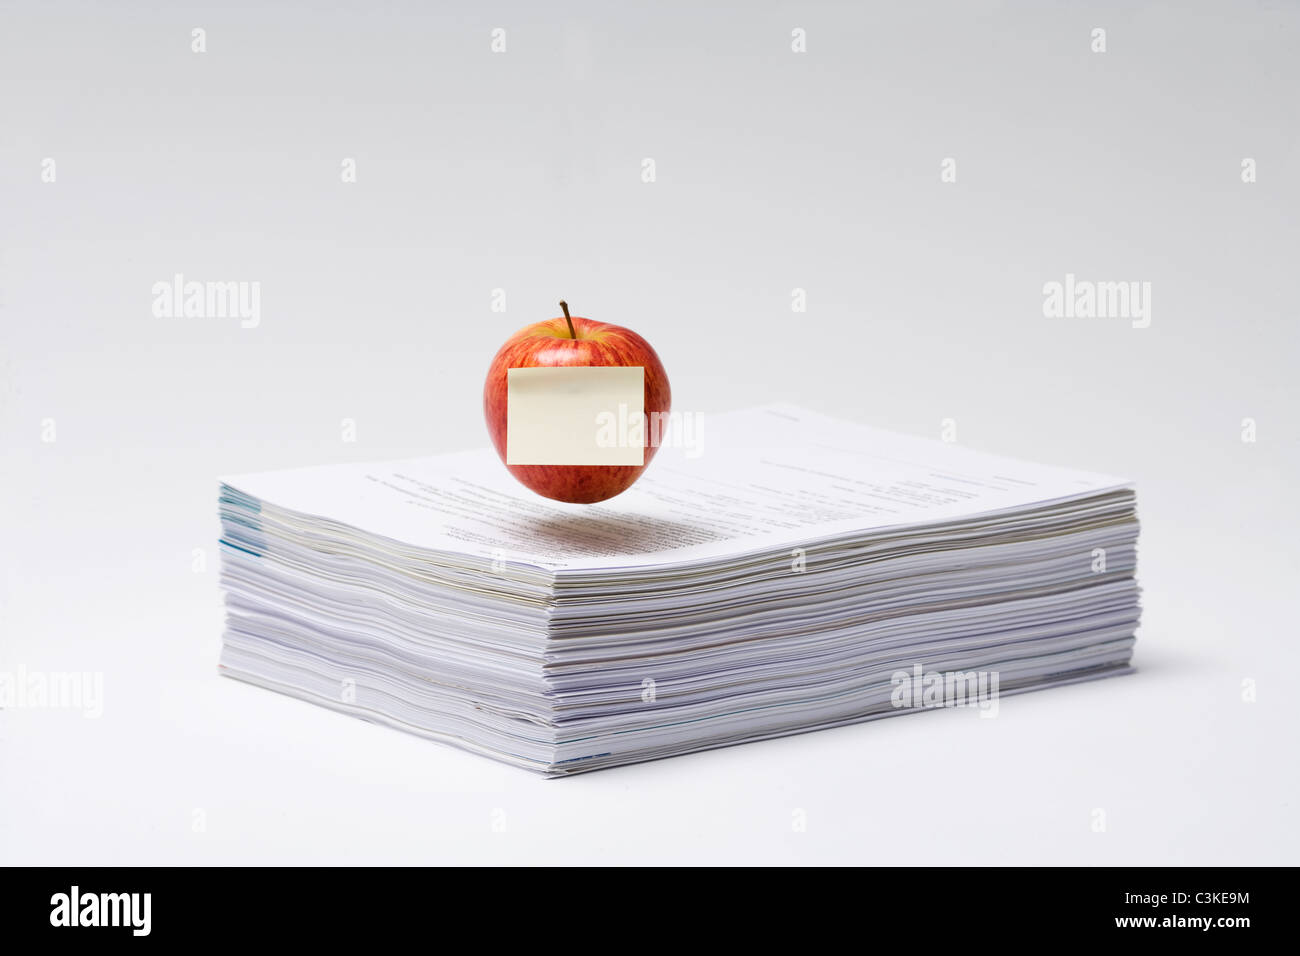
<point x="575" y="415"/>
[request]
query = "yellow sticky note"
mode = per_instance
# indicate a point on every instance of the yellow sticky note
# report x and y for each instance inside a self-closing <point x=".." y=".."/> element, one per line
<point x="575" y="415"/>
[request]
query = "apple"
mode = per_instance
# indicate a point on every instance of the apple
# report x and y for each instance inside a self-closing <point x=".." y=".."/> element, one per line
<point x="573" y="340"/>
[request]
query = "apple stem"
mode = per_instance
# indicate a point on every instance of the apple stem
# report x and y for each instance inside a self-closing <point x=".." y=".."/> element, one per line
<point x="565" y="306"/>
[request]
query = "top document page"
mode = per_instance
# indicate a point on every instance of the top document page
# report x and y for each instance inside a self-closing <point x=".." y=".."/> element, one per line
<point x="750" y="482"/>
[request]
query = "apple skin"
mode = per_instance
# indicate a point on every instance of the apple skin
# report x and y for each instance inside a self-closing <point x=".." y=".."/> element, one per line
<point x="546" y="344"/>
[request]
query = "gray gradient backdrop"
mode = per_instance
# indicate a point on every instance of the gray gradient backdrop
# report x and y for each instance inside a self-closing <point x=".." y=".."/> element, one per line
<point x="522" y="171"/>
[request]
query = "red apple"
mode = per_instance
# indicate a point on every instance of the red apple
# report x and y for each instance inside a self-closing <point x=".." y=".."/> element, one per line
<point x="573" y="340"/>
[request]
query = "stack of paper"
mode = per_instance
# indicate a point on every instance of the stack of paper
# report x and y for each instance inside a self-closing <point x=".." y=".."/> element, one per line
<point x="800" y="573"/>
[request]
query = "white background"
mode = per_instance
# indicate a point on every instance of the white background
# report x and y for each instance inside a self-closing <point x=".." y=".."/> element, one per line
<point x="522" y="171"/>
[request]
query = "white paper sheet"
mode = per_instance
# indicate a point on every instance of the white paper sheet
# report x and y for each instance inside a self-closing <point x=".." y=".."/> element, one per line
<point x="767" y="477"/>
